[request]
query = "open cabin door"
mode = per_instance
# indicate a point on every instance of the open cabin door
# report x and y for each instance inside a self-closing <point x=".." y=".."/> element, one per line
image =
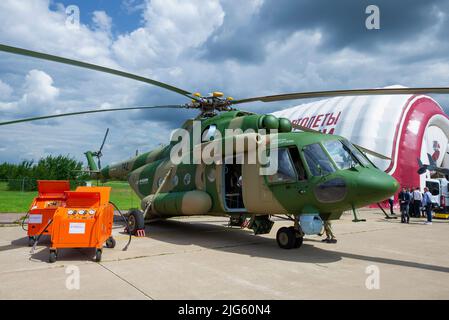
<point x="233" y="187"/>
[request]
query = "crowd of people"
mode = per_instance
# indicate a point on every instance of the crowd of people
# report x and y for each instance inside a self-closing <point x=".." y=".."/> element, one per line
<point x="413" y="203"/>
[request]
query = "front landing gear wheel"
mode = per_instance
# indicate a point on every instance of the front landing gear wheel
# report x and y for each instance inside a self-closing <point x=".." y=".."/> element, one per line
<point x="299" y="238"/>
<point x="98" y="253"/>
<point x="110" y="243"/>
<point x="286" y="238"/>
<point x="53" y="256"/>
<point x="136" y="221"/>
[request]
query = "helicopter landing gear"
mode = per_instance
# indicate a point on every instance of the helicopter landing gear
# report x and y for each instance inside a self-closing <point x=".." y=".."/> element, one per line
<point x="289" y="238"/>
<point x="136" y="222"/>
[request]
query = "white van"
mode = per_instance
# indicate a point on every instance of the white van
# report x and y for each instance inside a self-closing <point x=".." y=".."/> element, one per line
<point x="440" y="192"/>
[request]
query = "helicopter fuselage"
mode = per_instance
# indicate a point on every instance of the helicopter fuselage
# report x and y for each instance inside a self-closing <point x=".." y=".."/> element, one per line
<point x="316" y="173"/>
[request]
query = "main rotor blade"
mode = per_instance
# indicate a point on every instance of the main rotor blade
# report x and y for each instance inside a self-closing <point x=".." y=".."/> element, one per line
<point x="89" y="111"/>
<point x="44" y="56"/>
<point x="368" y="151"/>
<point x="104" y="140"/>
<point x="339" y="93"/>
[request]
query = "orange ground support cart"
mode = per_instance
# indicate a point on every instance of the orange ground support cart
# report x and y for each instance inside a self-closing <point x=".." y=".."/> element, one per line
<point x="85" y="221"/>
<point x="51" y="195"/>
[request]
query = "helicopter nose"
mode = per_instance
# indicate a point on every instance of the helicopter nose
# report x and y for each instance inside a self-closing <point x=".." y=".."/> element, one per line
<point x="376" y="186"/>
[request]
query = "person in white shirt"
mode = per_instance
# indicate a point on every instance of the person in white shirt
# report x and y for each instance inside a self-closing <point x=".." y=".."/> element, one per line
<point x="417" y="199"/>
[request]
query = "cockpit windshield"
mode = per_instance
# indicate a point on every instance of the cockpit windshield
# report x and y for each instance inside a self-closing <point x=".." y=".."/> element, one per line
<point x="341" y="154"/>
<point x="317" y="160"/>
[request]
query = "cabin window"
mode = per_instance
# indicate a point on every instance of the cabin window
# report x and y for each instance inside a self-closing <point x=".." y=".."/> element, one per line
<point x="317" y="160"/>
<point x="209" y="133"/>
<point x="342" y="156"/>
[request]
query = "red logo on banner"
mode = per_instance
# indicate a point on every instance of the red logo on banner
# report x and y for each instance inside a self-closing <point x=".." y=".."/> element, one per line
<point x="324" y="123"/>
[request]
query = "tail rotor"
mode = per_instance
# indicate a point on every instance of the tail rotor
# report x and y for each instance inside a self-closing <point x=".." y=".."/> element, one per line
<point x="98" y="154"/>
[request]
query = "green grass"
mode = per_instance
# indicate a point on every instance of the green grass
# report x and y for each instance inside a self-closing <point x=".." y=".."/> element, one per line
<point x="16" y="201"/>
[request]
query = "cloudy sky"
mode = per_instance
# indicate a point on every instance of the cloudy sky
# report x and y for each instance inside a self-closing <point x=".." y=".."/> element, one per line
<point x="244" y="48"/>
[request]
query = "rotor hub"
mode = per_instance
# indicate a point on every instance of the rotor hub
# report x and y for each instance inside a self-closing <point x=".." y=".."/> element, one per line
<point x="209" y="105"/>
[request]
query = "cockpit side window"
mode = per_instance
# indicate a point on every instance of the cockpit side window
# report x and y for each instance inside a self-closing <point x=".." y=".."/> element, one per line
<point x="297" y="162"/>
<point x="286" y="170"/>
<point x="290" y="166"/>
<point x="358" y="154"/>
<point x="317" y="160"/>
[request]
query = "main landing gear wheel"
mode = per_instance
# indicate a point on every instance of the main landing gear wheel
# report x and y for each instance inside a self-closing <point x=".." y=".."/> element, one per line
<point x="135" y="221"/>
<point x="98" y="253"/>
<point x="110" y="243"/>
<point x="289" y="238"/>
<point x="299" y="237"/>
<point x="286" y="238"/>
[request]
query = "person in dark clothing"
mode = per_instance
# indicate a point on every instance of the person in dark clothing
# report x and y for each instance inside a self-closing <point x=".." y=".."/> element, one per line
<point x="410" y="205"/>
<point x="391" y="203"/>
<point x="404" y="202"/>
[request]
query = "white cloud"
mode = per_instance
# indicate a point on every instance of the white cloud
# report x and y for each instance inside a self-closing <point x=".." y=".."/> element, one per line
<point x="5" y="90"/>
<point x="171" y="27"/>
<point x="39" y="88"/>
<point x="102" y="21"/>
<point x="39" y="95"/>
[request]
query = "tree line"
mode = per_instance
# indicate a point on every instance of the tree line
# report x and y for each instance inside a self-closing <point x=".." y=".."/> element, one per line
<point x="24" y="176"/>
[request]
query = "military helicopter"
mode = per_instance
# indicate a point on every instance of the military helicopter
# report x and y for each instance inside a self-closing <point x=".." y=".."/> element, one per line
<point x="317" y="177"/>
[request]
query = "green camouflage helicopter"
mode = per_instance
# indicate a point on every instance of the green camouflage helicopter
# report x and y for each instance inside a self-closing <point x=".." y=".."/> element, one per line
<point x="317" y="176"/>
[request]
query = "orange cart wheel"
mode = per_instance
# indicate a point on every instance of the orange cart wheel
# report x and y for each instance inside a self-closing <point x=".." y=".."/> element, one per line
<point x="53" y="256"/>
<point x="98" y="253"/>
<point x="110" y="243"/>
<point x="31" y="241"/>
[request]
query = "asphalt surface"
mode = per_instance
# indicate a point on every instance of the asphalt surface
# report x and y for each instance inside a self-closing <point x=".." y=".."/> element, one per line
<point x="202" y="258"/>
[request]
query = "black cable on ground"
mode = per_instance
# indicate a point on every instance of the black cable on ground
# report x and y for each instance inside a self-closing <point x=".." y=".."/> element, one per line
<point x="126" y="223"/>
<point x="23" y="222"/>
<point x="40" y="235"/>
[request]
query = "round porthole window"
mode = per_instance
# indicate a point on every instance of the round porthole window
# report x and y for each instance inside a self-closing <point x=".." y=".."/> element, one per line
<point x="187" y="179"/>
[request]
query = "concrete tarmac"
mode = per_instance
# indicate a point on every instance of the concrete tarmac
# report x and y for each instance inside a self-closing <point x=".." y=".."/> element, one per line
<point x="202" y="258"/>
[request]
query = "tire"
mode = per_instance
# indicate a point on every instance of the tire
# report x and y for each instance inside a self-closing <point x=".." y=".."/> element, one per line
<point x="31" y="241"/>
<point x="53" y="257"/>
<point x="135" y="221"/>
<point x="286" y="238"/>
<point x="299" y="239"/>
<point x="98" y="253"/>
<point x="110" y="243"/>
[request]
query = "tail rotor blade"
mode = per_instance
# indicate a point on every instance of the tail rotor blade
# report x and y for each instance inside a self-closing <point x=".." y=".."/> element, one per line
<point x="104" y="140"/>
